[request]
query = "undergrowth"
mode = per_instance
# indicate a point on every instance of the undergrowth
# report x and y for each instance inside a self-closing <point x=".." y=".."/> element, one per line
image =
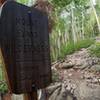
<point x="95" y="49"/>
<point x="71" y="47"/>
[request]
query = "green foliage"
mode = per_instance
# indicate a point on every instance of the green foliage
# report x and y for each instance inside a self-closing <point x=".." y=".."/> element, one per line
<point x="26" y="2"/>
<point x="81" y="2"/>
<point x="95" y="49"/>
<point x="3" y="87"/>
<point x="83" y="44"/>
<point x="66" y="49"/>
<point x="60" y="3"/>
<point x="22" y="1"/>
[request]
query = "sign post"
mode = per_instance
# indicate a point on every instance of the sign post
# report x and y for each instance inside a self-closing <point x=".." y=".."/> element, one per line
<point x="31" y="96"/>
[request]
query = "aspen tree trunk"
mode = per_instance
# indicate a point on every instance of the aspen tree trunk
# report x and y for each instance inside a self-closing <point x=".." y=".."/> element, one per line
<point x="83" y="25"/>
<point x="79" y="28"/>
<point x="76" y="28"/>
<point x="73" y="28"/>
<point x="96" y="16"/>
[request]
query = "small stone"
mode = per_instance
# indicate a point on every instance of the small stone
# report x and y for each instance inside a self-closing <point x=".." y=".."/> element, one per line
<point x="82" y="72"/>
<point x="87" y="76"/>
<point x="74" y="86"/>
<point x="72" y="91"/>
<point x="98" y="80"/>
<point x="71" y="69"/>
<point x="68" y="88"/>
<point x="70" y="74"/>
<point x="95" y="80"/>
<point x="82" y="77"/>
<point x="67" y="65"/>
<point x="89" y="81"/>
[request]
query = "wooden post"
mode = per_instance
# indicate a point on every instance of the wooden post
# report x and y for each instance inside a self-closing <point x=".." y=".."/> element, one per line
<point x="31" y="96"/>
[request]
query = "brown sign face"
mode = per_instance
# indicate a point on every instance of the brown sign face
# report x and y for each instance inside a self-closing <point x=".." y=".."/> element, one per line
<point x="25" y="47"/>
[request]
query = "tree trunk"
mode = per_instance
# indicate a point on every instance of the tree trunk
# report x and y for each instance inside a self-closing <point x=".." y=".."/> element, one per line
<point x="96" y="16"/>
<point x="72" y="24"/>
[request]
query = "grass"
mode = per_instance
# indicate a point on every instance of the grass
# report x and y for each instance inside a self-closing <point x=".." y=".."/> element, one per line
<point x="72" y="47"/>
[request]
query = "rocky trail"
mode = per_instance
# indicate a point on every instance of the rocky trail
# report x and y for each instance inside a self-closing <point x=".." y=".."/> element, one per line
<point x="79" y="77"/>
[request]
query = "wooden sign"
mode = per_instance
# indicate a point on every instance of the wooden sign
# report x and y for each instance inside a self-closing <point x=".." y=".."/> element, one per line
<point x="24" y="41"/>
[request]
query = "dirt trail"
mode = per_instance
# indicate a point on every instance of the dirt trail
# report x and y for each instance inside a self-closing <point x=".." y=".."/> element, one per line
<point x="79" y="77"/>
